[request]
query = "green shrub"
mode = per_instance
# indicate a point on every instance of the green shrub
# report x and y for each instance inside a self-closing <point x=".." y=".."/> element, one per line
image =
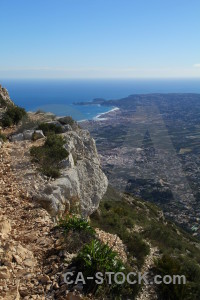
<point x="50" y="155"/>
<point x="27" y="124"/>
<point x="135" y="246"/>
<point x="117" y="217"/>
<point x="49" y="128"/>
<point x="165" y="236"/>
<point x="6" y="121"/>
<point x="118" y="213"/>
<point x="2" y="102"/>
<point x="168" y="265"/>
<point x="13" y="115"/>
<point x="97" y="257"/>
<point x="75" y="240"/>
<point x="77" y="232"/>
<point x="75" y="223"/>
<point x="66" y="120"/>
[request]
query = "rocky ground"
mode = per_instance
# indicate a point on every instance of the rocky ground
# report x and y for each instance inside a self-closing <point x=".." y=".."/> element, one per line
<point x="31" y="258"/>
<point x="32" y="255"/>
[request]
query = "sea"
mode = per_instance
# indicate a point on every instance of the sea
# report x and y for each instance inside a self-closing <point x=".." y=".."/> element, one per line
<point x="58" y="96"/>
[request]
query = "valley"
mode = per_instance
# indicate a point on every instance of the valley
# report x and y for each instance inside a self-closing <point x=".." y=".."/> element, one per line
<point x="150" y="148"/>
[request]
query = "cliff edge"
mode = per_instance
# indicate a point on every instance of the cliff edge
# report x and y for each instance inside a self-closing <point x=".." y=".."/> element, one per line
<point x="82" y="182"/>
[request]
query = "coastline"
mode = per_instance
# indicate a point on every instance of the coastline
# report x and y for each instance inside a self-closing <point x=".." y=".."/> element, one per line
<point x="99" y="116"/>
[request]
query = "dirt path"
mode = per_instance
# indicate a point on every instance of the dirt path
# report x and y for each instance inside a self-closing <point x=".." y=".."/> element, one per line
<point x="148" y="292"/>
<point x="24" y="235"/>
<point x="32" y="257"/>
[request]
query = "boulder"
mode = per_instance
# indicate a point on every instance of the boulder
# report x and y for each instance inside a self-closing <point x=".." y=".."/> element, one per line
<point x="38" y="134"/>
<point x="28" y="134"/>
<point x="17" y="137"/>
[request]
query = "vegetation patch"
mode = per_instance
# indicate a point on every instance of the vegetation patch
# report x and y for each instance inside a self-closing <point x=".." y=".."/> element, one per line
<point x="77" y="232"/>
<point x="49" y="128"/>
<point x="169" y="265"/>
<point x="13" y="115"/>
<point x="50" y="155"/>
<point x="179" y="251"/>
<point x="66" y="120"/>
<point x="3" y="103"/>
<point x="94" y="256"/>
<point x="97" y="257"/>
<point x="118" y="217"/>
<point x="75" y="223"/>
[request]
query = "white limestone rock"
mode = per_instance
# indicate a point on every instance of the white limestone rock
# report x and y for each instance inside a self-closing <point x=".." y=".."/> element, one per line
<point x="68" y="162"/>
<point x="28" y="134"/>
<point x="17" y="137"/>
<point x="38" y="134"/>
<point x="81" y="178"/>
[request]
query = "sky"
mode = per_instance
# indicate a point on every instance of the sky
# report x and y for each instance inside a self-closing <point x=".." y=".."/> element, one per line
<point x="100" y="39"/>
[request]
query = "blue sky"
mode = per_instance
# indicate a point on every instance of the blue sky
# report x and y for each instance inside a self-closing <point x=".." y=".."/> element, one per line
<point x="99" y="38"/>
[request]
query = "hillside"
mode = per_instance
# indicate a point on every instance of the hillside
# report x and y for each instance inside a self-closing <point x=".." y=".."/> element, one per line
<point x="58" y="214"/>
<point x="153" y="243"/>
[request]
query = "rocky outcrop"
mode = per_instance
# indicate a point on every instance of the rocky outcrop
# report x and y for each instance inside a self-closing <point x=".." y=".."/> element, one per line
<point x="5" y="101"/>
<point x="33" y="257"/>
<point x="27" y="135"/>
<point x="82" y="182"/>
<point x="4" y="98"/>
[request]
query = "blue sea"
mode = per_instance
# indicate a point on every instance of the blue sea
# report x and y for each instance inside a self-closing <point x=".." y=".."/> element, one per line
<point x="58" y="96"/>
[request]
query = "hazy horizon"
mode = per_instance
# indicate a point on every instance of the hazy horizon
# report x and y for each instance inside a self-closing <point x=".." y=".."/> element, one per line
<point x="100" y="39"/>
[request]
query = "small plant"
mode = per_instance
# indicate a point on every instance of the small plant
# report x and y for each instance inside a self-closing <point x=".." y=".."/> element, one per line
<point x="50" y="128"/>
<point x="97" y="257"/>
<point x="13" y="115"/>
<point x="50" y="155"/>
<point x="75" y="223"/>
<point x="77" y="230"/>
<point x="6" y="121"/>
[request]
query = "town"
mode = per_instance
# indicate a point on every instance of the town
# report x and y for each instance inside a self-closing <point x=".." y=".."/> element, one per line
<point x="150" y="148"/>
